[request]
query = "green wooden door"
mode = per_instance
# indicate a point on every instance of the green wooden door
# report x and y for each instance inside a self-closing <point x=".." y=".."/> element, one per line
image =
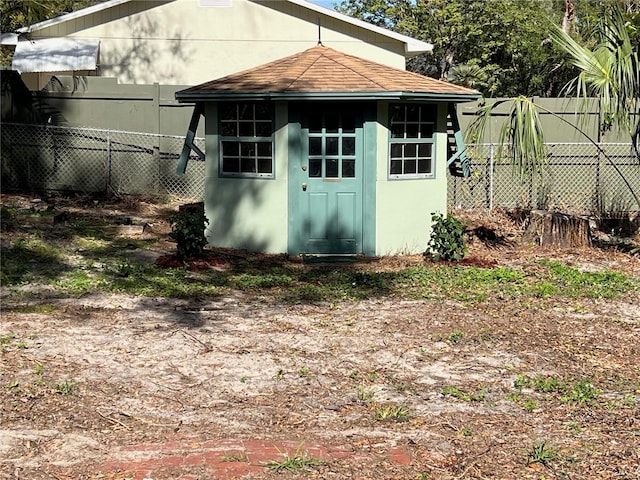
<point x="326" y="182"/>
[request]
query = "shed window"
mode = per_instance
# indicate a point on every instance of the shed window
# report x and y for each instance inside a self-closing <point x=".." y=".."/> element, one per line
<point x="246" y="133"/>
<point x="411" y="142"/>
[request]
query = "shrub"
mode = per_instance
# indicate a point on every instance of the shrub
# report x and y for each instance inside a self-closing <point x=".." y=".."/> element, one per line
<point x="187" y="229"/>
<point x="447" y="238"/>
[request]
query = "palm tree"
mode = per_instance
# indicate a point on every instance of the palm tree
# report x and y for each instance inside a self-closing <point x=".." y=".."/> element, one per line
<point x="610" y="72"/>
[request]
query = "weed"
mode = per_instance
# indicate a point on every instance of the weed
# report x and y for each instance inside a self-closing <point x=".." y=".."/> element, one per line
<point x="303" y="371"/>
<point x="280" y="374"/>
<point x="542" y="454"/>
<point x="539" y="383"/>
<point x="456" y="336"/>
<point x="390" y="412"/>
<point x="462" y="395"/>
<point x="530" y="405"/>
<point x="5" y="340"/>
<point x="582" y="392"/>
<point x="38" y="369"/>
<point x="298" y="462"/>
<point x="365" y="394"/>
<point x="353" y="375"/>
<point x="243" y="379"/>
<point x="65" y="388"/>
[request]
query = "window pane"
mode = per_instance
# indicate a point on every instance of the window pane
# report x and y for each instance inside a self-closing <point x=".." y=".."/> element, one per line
<point x="230" y="165"/>
<point x="315" y="168"/>
<point x="348" y="123"/>
<point x="429" y="113"/>
<point x="412" y="130"/>
<point x="348" y="146"/>
<point x="247" y="165"/>
<point x="315" y="123"/>
<point x="410" y="150"/>
<point x="397" y="113"/>
<point x="426" y="130"/>
<point x="246" y="129"/>
<point x="332" y="146"/>
<point x="264" y="149"/>
<point x="424" y="165"/>
<point x="229" y="129"/>
<point x="397" y="131"/>
<point x="396" y="167"/>
<point x="332" y="122"/>
<point x="264" y="165"/>
<point x="348" y="168"/>
<point x="315" y="146"/>
<point x="245" y="111"/>
<point x="228" y="111"/>
<point x="248" y="149"/>
<point x="263" y="129"/>
<point x="413" y="113"/>
<point x="263" y="111"/>
<point x="409" y="167"/>
<point x="230" y="149"/>
<point x="331" y="168"/>
<point x="424" y="150"/>
<point x="396" y="150"/>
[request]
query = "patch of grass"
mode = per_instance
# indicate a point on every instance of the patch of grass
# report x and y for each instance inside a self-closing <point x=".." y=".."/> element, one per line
<point x="65" y="388"/>
<point x="30" y="260"/>
<point x="571" y="282"/>
<point x="44" y="308"/>
<point x="456" y="336"/>
<point x="581" y="392"/>
<point x="390" y="413"/>
<point x="300" y="461"/>
<point x="542" y="454"/>
<point x="477" y="396"/>
<point x="365" y="394"/>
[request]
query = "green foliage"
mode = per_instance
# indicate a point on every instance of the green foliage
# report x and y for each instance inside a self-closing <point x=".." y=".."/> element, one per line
<point x="477" y="396"/>
<point x="390" y="413"/>
<point x="65" y="388"/>
<point x="300" y="461"/>
<point x="542" y="454"/>
<point x="447" y="238"/>
<point x="187" y="229"/>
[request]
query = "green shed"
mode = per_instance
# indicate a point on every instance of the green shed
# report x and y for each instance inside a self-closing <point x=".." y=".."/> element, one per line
<point x="324" y="153"/>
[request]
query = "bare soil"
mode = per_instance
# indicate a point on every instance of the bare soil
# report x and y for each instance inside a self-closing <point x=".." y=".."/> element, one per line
<point x="89" y="376"/>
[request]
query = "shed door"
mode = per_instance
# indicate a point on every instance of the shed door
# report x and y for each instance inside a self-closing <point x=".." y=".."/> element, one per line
<point x="327" y="182"/>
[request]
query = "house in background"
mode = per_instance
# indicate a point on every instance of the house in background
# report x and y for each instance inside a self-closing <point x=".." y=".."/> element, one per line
<point x="187" y="42"/>
<point x="325" y="153"/>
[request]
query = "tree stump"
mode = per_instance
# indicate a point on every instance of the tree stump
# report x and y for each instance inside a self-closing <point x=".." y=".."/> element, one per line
<point x="552" y="229"/>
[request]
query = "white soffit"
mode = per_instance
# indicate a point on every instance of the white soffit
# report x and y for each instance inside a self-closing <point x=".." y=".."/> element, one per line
<point x="55" y="55"/>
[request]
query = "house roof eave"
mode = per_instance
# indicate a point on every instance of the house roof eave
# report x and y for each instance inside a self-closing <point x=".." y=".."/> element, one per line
<point x="323" y="96"/>
<point x="412" y="46"/>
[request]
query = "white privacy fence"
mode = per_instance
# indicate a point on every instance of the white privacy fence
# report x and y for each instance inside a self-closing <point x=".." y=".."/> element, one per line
<point x="38" y="158"/>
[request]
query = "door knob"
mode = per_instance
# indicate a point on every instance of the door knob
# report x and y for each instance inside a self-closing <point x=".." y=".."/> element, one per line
<point x="304" y="186"/>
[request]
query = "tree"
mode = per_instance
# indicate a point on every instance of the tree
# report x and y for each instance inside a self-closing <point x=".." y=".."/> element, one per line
<point x="610" y="72"/>
<point x="503" y="41"/>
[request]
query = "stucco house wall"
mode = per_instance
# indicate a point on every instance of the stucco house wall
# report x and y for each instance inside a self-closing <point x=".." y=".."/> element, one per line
<point x="184" y="42"/>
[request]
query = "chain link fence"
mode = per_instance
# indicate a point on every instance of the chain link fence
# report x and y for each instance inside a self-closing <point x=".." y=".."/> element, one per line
<point x="578" y="178"/>
<point x="84" y="160"/>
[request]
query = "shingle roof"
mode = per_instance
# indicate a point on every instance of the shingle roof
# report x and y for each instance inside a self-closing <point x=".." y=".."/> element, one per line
<point x="320" y="71"/>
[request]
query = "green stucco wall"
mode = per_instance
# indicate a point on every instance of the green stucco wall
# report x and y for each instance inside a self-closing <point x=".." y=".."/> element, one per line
<point x="247" y="213"/>
<point x="403" y="207"/>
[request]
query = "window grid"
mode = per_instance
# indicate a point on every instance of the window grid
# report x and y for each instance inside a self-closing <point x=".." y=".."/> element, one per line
<point x="332" y="147"/>
<point x="246" y="145"/>
<point x="411" y="142"/>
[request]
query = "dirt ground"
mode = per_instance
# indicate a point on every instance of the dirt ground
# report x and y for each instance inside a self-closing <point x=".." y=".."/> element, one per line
<point x="106" y="386"/>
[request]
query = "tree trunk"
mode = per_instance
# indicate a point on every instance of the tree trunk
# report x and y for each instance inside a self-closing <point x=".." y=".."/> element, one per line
<point x="569" y="16"/>
<point x="552" y="229"/>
